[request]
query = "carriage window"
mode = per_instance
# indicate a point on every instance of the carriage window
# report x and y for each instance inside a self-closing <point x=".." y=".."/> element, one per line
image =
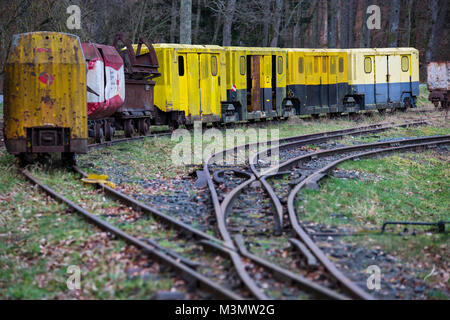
<point x="341" y="65"/>
<point x="280" y="65"/>
<point x="300" y="65"/>
<point x="367" y="65"/>
<point x="405" y="64"/>
<point x="214" y="65"/>
<point x="333" y="65"/>
<point x="324" y="64"/>
<point x="242" y="66"/>
<point x="316" y="64"/>
<point x="180" y="66"/>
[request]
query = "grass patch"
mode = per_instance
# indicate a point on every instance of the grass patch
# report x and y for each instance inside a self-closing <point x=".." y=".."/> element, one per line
<point x="40" y="240"/>
<point x="407" y="187"/>
<point x="412" y="186"/>
<point x="422" y="99"/>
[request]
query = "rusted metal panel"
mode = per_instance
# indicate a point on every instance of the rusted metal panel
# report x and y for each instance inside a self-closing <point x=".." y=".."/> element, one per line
<point x="106" y="79"/>
<point x="45" y="88"/>
<point x="438" y="76"/>
<point x="140" y="69"/>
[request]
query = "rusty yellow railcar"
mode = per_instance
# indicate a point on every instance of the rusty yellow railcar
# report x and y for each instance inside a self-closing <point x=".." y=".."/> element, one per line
<point x="45" y="95"/>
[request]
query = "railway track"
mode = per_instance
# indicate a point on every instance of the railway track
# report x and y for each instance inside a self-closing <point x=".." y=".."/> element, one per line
<point x="223" y="209"/>
<point x="240" y="281"/>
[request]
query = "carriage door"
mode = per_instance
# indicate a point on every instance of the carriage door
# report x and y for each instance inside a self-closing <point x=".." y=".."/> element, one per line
<point x="255" y="74"/>
<point x="325" y="90"/>
<point x="183" y="83"/>
<point x="267" y="85"/>
<point x="382" y="79"/>
<point x="209" y="84"/>
<point x="370" y="80"/>
<point x="405" y="74"/>
<point x="193" y="79"/>
<point x="333" y="82"/>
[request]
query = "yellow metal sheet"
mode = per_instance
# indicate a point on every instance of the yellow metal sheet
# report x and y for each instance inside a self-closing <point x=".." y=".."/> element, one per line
<point x="45" y="84"/>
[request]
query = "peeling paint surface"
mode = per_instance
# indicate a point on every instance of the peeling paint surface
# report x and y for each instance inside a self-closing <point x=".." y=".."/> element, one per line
<point x="438" y="76"/>
<point x="45" y="84"/>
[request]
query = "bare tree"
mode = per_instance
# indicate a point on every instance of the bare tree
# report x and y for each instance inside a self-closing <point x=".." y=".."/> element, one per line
<point x="406" y="36"/>
<point x="332" y="23"/>
<point x="173" y="20"/>
<point x="185" y="21"/>
<point x="197" y="21"/>
<point x="276" y="22"/>
<point x="364" y="41"/>
<point x="228" y="22"/>
<point x="393" y="23"/>
<point x="438" y="12"/>
<point x="266" y="16"/>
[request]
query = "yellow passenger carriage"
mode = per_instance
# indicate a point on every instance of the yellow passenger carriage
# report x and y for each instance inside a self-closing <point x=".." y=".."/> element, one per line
<point x="384" y="78"/>
<point x="317" y="80"/>
<point x="192" y="83"/>
<point x="45" y="95"/>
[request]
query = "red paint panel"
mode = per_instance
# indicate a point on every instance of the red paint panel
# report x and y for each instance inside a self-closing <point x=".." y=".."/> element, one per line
<point x="46" y="78"/>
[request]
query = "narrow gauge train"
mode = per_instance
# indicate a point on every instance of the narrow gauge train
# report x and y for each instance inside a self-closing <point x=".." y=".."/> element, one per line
<point x="46" y="87"/>
<point x="230" y="84"/>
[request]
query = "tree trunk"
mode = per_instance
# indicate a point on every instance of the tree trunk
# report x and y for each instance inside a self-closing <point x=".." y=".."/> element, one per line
<point x="139" y="21"/>
<point x="228" y="22"/>
<point x="197" y="21"/>
<point x="186" y="22"/>
<point x="323" y="22"/>
<point x="438" y="13"/>
<point x="276" y="24"/>
<point x="296" y="41"/>
<point x="217" y="29"/>
<point x="350" y="23"/>
<point x="393" y="23"/>
<point x="332" y="23"/>
<point x="407" y="23"/>
<point x="365" y="37"/>
<point x="266" y="15"/>
<point x="345" y="9"/>
<point x="173" y="20"/>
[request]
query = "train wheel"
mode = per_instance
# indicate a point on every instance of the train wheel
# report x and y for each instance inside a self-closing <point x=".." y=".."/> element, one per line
<point x="129" y="129"/>
<point x="436" y="104"/>
<point x="68" y="158"/>
<point x="142" y="127"/>
<point x="109" y="132"/>
<point x="25" y="159"/>
<point x="173" y="125"/>
<point x="99" y="134"/>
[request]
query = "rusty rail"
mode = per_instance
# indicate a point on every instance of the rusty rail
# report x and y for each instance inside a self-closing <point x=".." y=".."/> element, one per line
<point x="221" y="209"/>
<point x="156" y="253"/>
<point x="318" y="174"/>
